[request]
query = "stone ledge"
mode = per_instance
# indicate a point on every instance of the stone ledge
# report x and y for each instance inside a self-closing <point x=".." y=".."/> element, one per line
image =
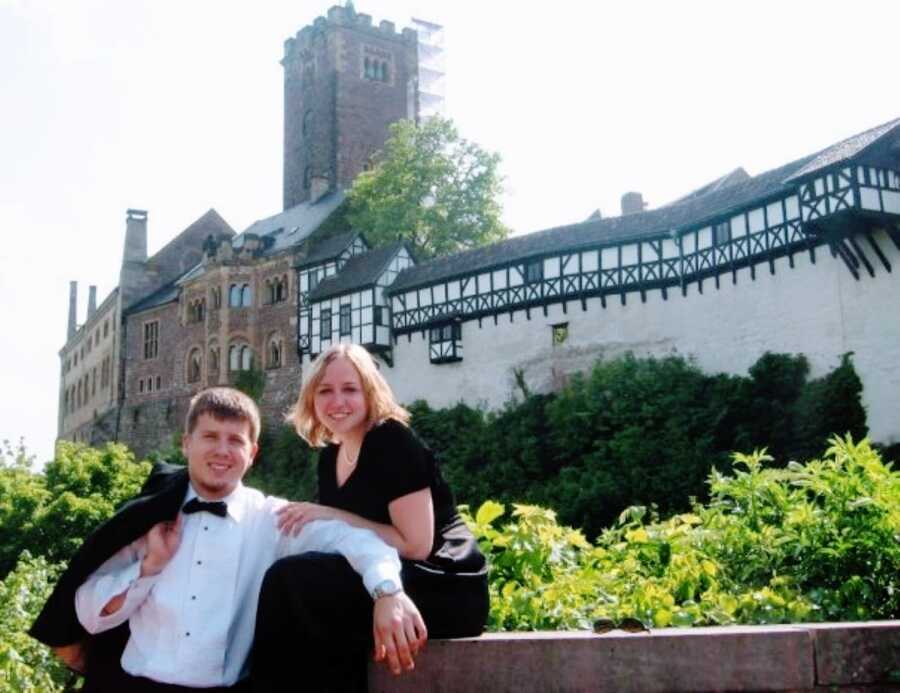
<point x="734" y="658"/>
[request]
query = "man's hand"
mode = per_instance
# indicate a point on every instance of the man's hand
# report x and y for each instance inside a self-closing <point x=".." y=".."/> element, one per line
<point x="399" y="631"/>
<point x="73" y="656"/>
<point x="162" y="543"/>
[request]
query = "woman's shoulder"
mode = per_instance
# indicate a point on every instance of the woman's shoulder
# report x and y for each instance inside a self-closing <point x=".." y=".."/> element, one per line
<point x="392" y="430"/>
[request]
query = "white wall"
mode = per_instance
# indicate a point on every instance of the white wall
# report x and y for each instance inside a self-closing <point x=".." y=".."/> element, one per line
<point x="819" y="310"/>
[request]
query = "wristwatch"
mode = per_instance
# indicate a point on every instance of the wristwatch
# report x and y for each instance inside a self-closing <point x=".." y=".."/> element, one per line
<point x="386" y="588"/>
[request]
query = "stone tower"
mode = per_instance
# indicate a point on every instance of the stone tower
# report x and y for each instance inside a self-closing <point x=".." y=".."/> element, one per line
<point x="345" y="82"/>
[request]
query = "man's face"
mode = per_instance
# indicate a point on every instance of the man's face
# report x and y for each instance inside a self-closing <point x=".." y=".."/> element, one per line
<point x="219" y="453"/>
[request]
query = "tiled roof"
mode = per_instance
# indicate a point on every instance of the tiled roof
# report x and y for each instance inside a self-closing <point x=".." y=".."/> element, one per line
<point x="327" y="248"/>
<point x="167" y="294"/>
<point x="290" y="227"/>
<point x="358" y="272"/>
<point x="738" y="175"/>
<point x="612" y="230"/>
<point x="698" y="208"/>
<point x="845" y="149"/>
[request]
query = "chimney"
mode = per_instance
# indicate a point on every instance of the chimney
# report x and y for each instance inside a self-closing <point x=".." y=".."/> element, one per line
<point x="92" y="301"/>
<point x="135" y="236"/>
<point x="633" y="203"/>
<point x="73" y="310"/>
<point x="133" y="279"/>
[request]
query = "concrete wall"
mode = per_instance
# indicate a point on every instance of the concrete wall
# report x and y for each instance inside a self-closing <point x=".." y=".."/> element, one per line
<point x="818" y="309"/>
<point x="802" y="657"/>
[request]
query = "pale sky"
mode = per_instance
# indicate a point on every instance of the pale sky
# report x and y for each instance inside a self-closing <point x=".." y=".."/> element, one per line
<point x="175" y="106"/>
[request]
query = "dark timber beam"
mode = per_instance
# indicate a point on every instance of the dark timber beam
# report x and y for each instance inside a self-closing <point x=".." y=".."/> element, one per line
<point x="879" y="253"/>
<point x="862" y="256"/>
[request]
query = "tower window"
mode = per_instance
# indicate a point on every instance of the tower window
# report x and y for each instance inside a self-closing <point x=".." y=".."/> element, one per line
<point x="151" y="339"/>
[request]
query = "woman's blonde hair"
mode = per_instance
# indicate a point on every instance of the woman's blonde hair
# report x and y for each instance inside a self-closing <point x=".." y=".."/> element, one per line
<point x="379" y="397"/>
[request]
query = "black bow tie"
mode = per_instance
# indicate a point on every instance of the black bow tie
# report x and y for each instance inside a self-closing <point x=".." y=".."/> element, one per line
<point x="195" y="505"/>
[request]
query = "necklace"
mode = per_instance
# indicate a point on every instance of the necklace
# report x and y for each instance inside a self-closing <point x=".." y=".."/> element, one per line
<point x="350" y="462"/>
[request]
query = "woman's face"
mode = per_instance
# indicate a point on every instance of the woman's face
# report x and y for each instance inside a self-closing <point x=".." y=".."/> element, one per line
<point x="339" y="400"/>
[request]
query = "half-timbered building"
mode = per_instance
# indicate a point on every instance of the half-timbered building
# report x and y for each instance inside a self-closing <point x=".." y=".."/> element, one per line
<point x="800" y="259"/>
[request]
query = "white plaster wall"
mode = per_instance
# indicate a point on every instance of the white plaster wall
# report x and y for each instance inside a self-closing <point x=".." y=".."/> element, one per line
<point x="819" y="310"/>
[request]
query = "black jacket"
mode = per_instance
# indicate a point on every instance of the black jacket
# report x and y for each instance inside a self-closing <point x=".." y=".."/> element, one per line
<point x="159" y="500"/>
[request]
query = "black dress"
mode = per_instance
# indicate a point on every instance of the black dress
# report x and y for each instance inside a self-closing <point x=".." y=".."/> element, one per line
<point x="392" y="463"/>
<point x="314" y="622"/>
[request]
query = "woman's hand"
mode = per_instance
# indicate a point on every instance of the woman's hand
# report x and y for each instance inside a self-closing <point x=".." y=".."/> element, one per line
<point x="293" y="516"/>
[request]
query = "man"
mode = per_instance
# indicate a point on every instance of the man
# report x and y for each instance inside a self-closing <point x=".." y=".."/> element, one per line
<point x="188" y="586"/>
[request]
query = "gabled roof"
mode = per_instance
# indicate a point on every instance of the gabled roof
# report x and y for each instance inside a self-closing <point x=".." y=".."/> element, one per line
<point x="846" y="149"/>
<point x="358" y="272"/>
<point x="696" y="209"/>
<point x="290" y="227"/>
<point x="738" y="175"/>
<point x="327" y="249"/>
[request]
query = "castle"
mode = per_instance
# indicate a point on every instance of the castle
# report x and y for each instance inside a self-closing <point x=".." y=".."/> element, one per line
<point x="799" y="259"/>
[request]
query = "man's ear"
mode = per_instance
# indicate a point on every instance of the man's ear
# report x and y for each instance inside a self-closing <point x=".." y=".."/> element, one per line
<point x="185" y="442"/>
<point x="253" y="453"/>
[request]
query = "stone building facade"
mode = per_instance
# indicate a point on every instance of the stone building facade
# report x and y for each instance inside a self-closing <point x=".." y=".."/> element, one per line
<point x="345" y="82"/>
<point x="800" y="259"/>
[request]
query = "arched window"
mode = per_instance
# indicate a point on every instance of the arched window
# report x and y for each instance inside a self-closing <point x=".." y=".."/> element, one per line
<point x="214" y="359"/>
<point x="215" y="296"/>
<point x="195" y="366"/>
<point x="246" y="295"/>
<point x="367" y="71"/>
<point x="274" y="352"/>
<point x="240" y="358"/>
<point x="234" y="296"/>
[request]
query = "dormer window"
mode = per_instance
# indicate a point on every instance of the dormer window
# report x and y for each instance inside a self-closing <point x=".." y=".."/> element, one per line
<point x="445" y="343"/>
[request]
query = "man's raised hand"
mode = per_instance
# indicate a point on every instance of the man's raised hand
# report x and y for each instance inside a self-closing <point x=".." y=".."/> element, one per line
<point x="162" y="543"/>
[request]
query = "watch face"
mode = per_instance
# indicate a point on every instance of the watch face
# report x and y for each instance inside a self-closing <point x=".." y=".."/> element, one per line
<point x="385" y="588"/>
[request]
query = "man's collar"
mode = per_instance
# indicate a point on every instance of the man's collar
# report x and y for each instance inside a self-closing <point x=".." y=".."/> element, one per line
<point x="236" y="500"/>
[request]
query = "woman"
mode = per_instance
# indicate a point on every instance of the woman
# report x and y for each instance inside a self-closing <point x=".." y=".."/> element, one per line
<point x="375" y="473"/>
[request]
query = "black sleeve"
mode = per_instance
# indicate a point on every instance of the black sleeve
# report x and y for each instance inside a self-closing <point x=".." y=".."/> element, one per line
<point x="405" y="463"/>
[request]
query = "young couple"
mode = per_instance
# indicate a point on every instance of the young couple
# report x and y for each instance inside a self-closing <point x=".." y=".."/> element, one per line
<point x="200" y="582"/>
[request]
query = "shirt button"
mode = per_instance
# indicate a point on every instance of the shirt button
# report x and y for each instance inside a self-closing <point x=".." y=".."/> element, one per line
<point x="188" y="634"/>
<point x="199" y="562"/>
<point x="206" y="529"/>
<point x="193" y="597"/>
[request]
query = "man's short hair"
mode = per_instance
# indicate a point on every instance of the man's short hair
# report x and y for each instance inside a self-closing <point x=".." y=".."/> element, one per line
<point x="223" y="403"/>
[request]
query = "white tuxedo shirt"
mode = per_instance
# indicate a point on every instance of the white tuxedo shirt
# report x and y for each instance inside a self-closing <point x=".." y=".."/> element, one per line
<point x="193" y="623"/>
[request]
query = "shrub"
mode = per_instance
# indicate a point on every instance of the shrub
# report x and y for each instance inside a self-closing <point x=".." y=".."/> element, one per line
<point x="806" y="542"/>
<point x="26" y="666"/>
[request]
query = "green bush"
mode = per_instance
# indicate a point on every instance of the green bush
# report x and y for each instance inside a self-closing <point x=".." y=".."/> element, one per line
<point x="812" y="542"/>
<point x="26" y="666"/>
<point x="638" y="431"/>
<point x="285" y="465"/>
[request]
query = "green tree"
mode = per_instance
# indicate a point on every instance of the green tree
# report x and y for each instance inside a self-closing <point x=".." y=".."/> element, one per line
<point x="26" y="666"/>
<point x="431" y="188"/>
<point x="51" y="513"/>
